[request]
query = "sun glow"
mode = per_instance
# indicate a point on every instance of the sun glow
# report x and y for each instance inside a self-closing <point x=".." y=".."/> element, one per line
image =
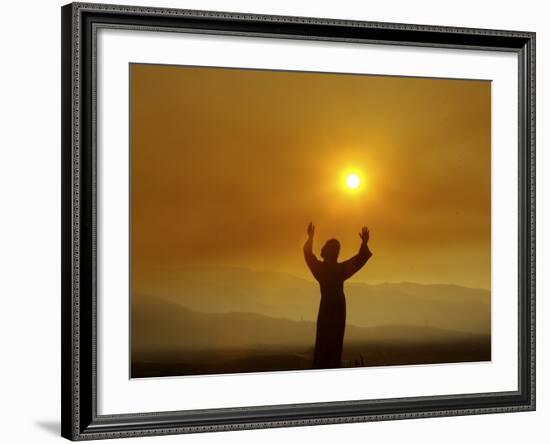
<point x="353" y="181"/>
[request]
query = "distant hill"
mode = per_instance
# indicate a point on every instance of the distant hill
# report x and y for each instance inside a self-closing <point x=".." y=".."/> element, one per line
<point x="168" y="339"/>
<point x="279" y="295"/>
<point x="158" y="323"/>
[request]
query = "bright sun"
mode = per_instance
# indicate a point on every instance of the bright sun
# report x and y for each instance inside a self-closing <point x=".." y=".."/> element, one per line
<point x="353" y="181"/>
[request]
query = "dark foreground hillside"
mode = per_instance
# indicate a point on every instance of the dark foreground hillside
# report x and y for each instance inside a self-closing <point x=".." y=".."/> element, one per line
<point x="174" y="363"/>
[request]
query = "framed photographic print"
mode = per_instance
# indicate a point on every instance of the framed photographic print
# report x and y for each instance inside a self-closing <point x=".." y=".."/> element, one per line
<point x="278" y="221"/>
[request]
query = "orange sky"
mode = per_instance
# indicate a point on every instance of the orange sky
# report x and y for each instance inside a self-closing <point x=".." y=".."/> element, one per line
<point x="229" y="166"/>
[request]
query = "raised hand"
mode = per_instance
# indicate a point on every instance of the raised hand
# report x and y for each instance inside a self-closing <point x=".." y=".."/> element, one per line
<point x="364" y="234"/>
<point x="310" y="230"/>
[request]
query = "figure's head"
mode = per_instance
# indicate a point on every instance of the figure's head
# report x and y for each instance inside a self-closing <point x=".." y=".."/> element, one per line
<point x="330" y="250"/>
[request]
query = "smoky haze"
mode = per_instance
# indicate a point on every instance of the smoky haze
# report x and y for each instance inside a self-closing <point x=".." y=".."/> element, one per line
<point x="229" y="166"/>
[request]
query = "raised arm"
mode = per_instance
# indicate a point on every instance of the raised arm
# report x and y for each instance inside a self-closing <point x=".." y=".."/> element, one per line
<point x="312" y="262"/>
<point x="355" y="263"/>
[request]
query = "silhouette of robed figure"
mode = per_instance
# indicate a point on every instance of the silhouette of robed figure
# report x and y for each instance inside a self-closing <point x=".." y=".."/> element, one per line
<point x="331" y="320"/>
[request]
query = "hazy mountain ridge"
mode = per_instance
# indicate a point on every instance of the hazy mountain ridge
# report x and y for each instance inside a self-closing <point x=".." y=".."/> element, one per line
<point x="280" y="295"/>
<point x="160" y="324"/>
<point x="168" y="339"/>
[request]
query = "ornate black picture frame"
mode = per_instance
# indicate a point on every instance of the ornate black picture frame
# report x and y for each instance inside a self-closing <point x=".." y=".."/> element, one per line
<point x="80" y="419"/>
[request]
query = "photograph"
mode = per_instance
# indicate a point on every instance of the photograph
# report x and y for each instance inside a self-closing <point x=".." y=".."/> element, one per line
<point x="300" y="220"/>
